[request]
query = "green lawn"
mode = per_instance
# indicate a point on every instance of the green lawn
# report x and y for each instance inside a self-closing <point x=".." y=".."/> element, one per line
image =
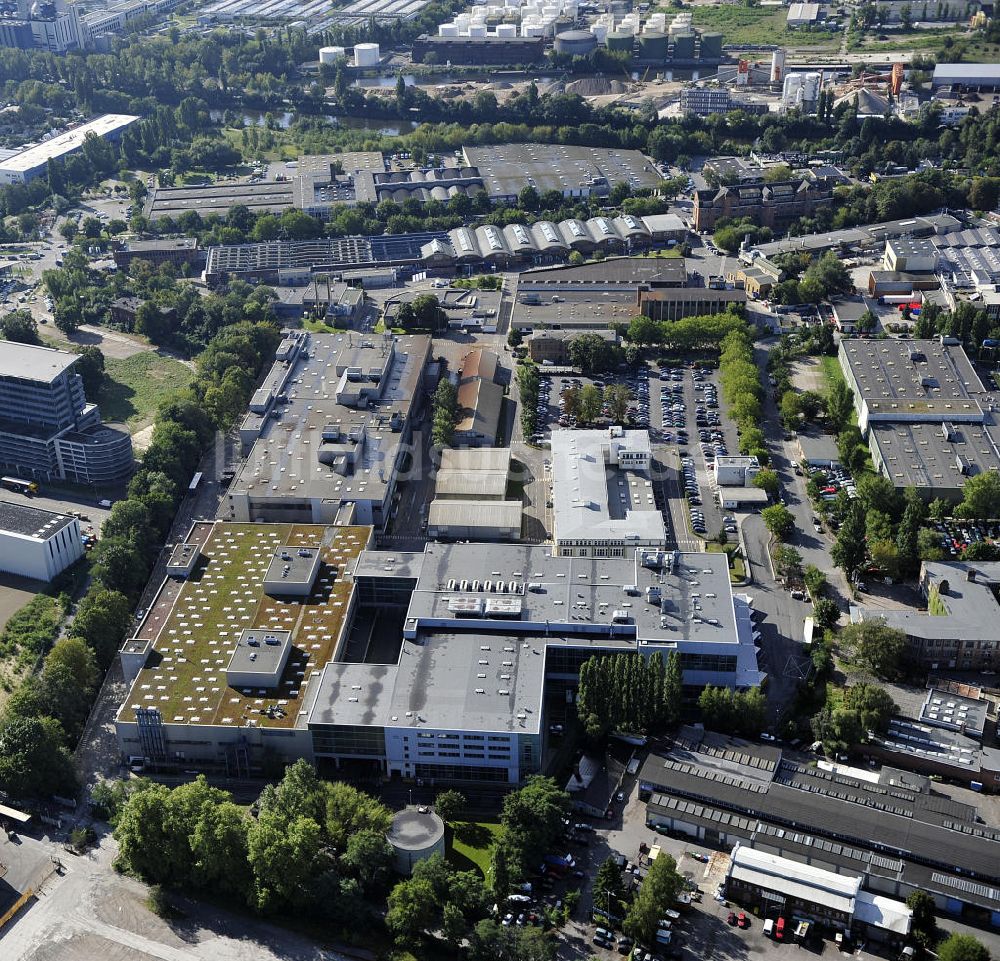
<point x="756" y="26"/>
<point x="831" y="372"/>
<point x="471" y="844"/>
<point x="737" y="566"/>
<point x="136" y="386"/>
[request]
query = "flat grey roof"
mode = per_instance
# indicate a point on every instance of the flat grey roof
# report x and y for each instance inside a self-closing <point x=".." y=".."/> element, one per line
<point x="954" y="710"/>
<point x="293" y="565"/>
<point x="283" y="462"/>
<point x="612" y="271"/>
<point x="933" y="455"/>
<point x="913" y="376"/>
<point x="31" y="521"/>
<point x="971" y="73"/>
<point x="506" y="168"/>
<point x="475" y="514"/>
<point x="28" y="362"/>
<point x="30" y="158"/>
<point x="260" y="651"/>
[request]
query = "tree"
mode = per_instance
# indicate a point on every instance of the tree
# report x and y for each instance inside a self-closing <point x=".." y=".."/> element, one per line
<point x="962" y="947"/>
<point x="591" y="401"/>
<point x="499" y="874"/>
<point x="490" y="941"/>
<point x="658" y="892"/>
<point x="849" y="551"/>
<point x="673" y="690"/>
<point x="981" y="496"/>
<point x="34" y="761"/>
<point x="839" y="405"/>
<point x="767" y="480"/>
<point x="778" y="520"/>
<point x="19" y="327"/>
<point x="445" y="413"/>
<point x="790" y="408"/>
<point x="850" y="449"/>
<point x="219" y="849"/>
<point x="815" y="580"/>
<point x="368" y="857"/>
<point x="90" y="367"/>
<point x="532" y="819"/>
<point x="825" y="612"/>
<point x="412" y="908"/>
<point x="618" y="397"/>
<point x="874" y="647"/>
<point x="877" y="493"/>
<point x="924" y="925"/>
<point x="449" y="805"/>
<point x="102" y="618"/>
<point x="282" y="853"/>
<point x="608" y="882"/>
<point x="643" y="331"/>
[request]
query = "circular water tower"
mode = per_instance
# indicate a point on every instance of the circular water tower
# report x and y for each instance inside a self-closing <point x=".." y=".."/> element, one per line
<point x="417" y="833"/>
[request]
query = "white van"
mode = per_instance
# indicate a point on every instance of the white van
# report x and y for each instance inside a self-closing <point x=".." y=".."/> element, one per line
<point x="769" y="928"/>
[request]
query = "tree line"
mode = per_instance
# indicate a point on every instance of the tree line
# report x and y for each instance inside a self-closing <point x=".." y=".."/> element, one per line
<point x="630" y="693"/>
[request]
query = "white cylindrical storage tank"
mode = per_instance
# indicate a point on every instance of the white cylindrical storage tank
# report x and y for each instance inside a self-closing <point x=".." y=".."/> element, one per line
<point x="810" y="87"/>
<point x="366" y="54"/>
<point x="778" y="66"/>
<point x="331" y="54"/>
<point x="507" y="30"/>
<point x="417" y="833"/>
<point x="477" y="29"/>
<point x="600" y="31"/>
<point x="448" y="30"/>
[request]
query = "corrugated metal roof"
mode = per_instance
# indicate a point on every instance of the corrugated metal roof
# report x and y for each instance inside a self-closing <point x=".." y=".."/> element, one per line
<point x="485" y="514"/>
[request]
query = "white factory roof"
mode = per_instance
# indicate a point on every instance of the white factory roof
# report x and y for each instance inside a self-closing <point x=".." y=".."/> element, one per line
<point x="475" y="514"/>
<point x="594" y="500"/>
<point x="883" y="913"/>
<point x="973" y="73"/>
<point x="793" y="879"/>
<point x="33" y="157"/>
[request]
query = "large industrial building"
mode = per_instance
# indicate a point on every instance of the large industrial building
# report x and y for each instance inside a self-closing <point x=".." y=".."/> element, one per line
<point x="21" y="166"/>
<point x="602" y="493"/>
<point x="925" y="412"/>
<point x="968" y="76"/>
<point x="329" y="427"/>
<point x="48" y="431"/>
<point x="886" y="828"/>
<point x="272" y="642"/>
<point x="294" y="262"/>
<point x="573" y="171"/>
<point x="36" y="543"/>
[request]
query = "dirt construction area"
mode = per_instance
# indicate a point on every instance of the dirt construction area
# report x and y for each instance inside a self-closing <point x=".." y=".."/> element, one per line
<point x="15" y="592"/>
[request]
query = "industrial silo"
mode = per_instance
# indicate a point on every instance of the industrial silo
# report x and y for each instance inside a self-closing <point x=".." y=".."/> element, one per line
<point x="575" y="43"/>
<point x="684" y="46"/>
<point x="620" y="40"/>
<point x="711" y="46"/>
<point x="653" y="47"/>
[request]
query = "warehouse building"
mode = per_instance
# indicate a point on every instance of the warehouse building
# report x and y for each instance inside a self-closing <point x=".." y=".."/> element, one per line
<point x="890" y="830"/>
<point x="330" y="427"/>
<point x="602" y="496"/>
<point x="797" y="892"/>
<point x="572" y="170"/>
<point x="21" y="166"/>
<point x="957" y="631"/>
<point x="967" y="76"/>
<point x="480" y="399"/>
<point x="36" y="543"/>
<point x="913" y="381"/>
<point x="470" y="497"/>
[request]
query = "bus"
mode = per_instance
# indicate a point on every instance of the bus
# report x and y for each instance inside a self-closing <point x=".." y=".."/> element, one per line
<point x="19" y="485"/>
<point x="195" y="481"/>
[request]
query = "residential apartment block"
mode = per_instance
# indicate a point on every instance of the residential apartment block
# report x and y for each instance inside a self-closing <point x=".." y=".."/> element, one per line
<point x="774" y="205"/>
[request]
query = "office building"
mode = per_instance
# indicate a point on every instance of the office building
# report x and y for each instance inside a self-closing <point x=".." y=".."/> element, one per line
<point x="224" y="665"/>
<point x="958" y="628"/>
<point x="48" y="431"/>
<point x="774" y="205"/>
<point x="431" y="666"/>
<point x="602" y="494"/>
<point x="793" y="890"/>
<point x="330" y="427"/>
<point x="886" y="828"/>
<point x="35" y="543"/>
<point x="161" y="250"/>
<point x="32" y="161"/>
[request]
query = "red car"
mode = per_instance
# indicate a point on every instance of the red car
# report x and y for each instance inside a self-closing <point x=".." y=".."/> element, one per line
<point x="779" y="929"/>
<point x="742" y="920"/>
<point x="731" y="918"/>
